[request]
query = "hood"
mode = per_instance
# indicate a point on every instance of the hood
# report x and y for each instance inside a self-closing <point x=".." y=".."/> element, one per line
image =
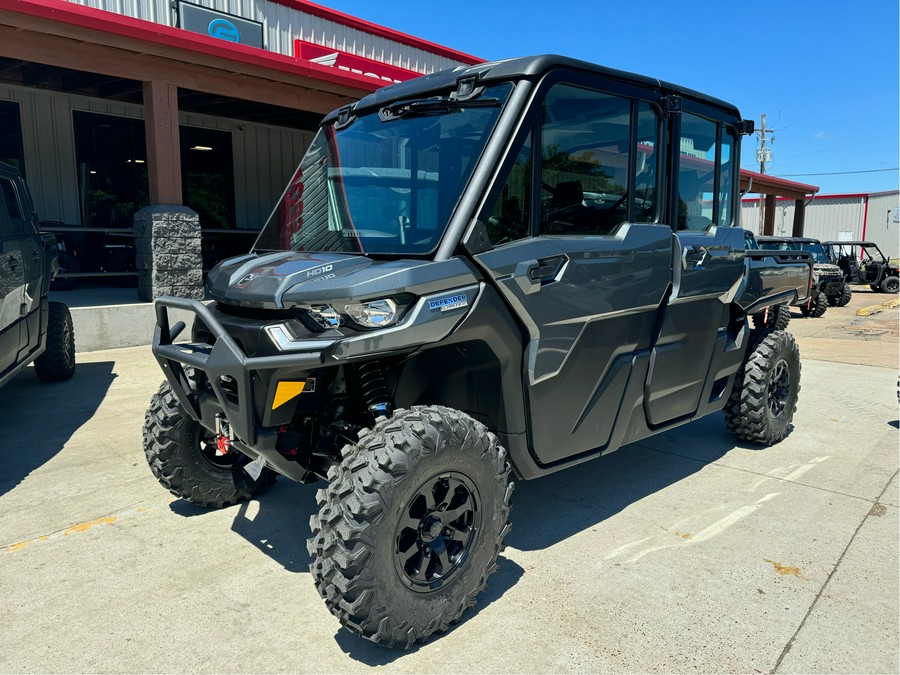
<point x="261" y="280"/>
<point x="827" y="270"/>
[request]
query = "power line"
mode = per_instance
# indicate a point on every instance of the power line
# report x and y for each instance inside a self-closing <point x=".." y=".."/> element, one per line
<point x="840" y="173"/>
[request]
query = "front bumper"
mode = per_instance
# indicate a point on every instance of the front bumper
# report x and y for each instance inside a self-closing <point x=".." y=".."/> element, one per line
<point x="233" y="384"/>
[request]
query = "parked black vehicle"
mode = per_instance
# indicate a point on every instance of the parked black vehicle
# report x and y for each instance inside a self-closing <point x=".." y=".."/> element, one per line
<point x="507" y="267"/>
<point x="31" y="327"/>
<point x="828" y="287"/>
<point x="862" y="262"/>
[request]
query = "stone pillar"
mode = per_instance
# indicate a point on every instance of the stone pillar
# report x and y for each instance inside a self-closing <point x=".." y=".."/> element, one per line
<point x="169" y="261"/>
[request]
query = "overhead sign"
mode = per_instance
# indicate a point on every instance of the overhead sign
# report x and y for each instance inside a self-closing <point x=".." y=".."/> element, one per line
<point x="351" y="63"/>
<point x="220" y="25"/>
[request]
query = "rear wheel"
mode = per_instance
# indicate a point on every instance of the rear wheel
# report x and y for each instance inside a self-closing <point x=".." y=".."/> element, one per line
<point x="764" y="398"/>
<point x="183" y="457"/>
<point x="410" y="525"/>
<point x="57" y="363"/>
<point x="890" y="284"/>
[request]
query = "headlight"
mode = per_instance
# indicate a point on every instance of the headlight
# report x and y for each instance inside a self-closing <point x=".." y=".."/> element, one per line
<point x="373" y="314"/>
<point x="325" y="315"/>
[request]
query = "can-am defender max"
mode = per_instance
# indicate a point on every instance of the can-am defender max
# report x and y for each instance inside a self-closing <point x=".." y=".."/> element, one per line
<point x="509" y="266"/>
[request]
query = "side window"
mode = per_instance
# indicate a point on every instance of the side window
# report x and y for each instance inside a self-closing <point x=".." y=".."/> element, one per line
<point x="726" y="178"/>
<point x="510" y="218"/>
<point x="585" y="152"/>
<point x="11" y="201"/>
<point x="706" y="174"/>
<point x="646" y="165"/>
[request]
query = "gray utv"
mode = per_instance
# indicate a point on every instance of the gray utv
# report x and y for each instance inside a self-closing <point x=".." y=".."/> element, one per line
<point x="503" y="269"/>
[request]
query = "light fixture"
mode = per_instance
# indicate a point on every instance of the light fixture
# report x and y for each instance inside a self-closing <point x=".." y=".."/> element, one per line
<point x="204" y="148"/>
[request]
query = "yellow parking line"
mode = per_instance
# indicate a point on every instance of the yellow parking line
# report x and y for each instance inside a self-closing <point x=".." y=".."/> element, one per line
<point x="874" y="309"/>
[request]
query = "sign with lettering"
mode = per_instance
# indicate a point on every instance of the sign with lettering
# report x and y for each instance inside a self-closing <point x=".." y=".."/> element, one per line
<point x="351" y="63"/>
<point x="220" y="25"/>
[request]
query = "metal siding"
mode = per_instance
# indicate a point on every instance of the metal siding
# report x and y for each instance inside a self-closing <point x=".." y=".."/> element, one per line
<point x="282" y="24"/>
<point x="880" y="226"/>
<point x="264" y="156"/>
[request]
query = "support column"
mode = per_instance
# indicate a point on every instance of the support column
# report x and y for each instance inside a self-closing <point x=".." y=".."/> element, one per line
<point x="169" y="261"/>
<point x="769" y="222"/>
<point x="163" y="149"/>
<point x="799" y="217"/>
<point x="166" y="233"/>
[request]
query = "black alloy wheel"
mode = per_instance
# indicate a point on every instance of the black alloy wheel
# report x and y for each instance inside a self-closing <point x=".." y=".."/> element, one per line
<point x="437" y="530"/>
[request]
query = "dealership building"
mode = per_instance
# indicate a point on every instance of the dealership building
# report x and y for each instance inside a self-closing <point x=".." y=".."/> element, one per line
<point x="109" y="107"/>
<point x="156" y="135"/>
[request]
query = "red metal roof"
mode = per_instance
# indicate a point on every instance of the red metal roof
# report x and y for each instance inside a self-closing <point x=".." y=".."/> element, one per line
<point x="761" y="183"/>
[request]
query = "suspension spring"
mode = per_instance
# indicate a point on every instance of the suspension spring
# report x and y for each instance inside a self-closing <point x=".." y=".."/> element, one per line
<point x="374" y="389"/>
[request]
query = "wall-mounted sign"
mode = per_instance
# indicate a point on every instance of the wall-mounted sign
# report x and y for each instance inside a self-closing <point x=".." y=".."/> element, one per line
<point x="351" y="63"/>
<point x="220" y="25"/>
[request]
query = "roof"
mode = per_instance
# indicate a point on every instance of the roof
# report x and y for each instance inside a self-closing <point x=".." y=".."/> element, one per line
<point x="760" y="183"/>
<point x="528" y="67"/>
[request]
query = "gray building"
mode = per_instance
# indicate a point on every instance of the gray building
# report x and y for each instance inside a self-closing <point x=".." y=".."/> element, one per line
<point x="199" y="110"/>
<point x="873" y="216"/>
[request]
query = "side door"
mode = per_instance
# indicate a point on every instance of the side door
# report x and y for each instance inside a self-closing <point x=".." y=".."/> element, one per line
<point x="12" y="284"/>
<point x="707" y="263"/>
<point x="579" y="256"/>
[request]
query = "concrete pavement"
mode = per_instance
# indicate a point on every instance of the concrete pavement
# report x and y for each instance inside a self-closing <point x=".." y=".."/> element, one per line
<point x="683" y="553"/>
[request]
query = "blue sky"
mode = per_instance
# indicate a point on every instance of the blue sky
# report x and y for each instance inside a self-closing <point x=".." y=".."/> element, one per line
<point x="825" y="73"/>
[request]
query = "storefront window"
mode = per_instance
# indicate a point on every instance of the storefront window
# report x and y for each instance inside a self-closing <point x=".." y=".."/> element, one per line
<point x="11" y="135"/>
<point x="111" y="155"/>
<point x="207" y="175"/>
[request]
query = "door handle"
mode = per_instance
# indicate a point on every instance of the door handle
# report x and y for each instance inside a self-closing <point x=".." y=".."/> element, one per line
<point x="36" y="255"/>
<point x="546" y="270"/>
<point x="694" y="256"/>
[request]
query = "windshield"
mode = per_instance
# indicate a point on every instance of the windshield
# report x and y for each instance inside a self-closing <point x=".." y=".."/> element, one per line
<point x="817" y="251"/>
<point x="384" y="184"/>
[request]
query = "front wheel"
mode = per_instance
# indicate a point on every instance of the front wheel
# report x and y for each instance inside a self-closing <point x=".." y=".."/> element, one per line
<point x="845" y="296"/>
<point x="764" y="398"/>
<point x="410" y="525"/>
<point x="777" y="318"/>
<point x="184" y="457"/>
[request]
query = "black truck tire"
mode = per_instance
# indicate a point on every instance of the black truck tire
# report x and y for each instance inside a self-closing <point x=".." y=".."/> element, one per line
<point x="815" y="307"/>
<point x="764" y="398"/>
<point x="57" y="363"/>
<point x="778" y="318"/>
<point x="410" y="525"/>
<point x="845" y="296"/>
<point x="181" y="454"/>
<point x="890" y="284"/>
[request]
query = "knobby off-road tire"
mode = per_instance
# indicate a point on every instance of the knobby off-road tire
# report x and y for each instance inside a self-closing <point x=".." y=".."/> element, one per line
<point x="817" y="307"/>
<point x="57" y="363"/>
<point x="890" y="284"/>
<point x="845" y="296"/>
<point x="411" y="524"/>
<point x="778" y="319"/>
<point x="764" y="398"/>
<point x="181" y="454"/>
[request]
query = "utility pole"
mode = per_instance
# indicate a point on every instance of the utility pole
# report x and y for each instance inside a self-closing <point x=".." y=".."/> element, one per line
<point x="763" y="154"/>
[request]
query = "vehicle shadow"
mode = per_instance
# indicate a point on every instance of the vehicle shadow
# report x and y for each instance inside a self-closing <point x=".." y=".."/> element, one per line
<point x="553" y="508"/>
<point x="545" y="511"/>
<point x="38" y="418"/>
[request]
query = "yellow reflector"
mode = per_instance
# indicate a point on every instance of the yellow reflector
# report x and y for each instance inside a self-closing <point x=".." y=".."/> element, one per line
<point x="286" y="391"/>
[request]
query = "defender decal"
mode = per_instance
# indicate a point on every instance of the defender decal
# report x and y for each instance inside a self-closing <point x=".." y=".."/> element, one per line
<point x="452" y="302"/>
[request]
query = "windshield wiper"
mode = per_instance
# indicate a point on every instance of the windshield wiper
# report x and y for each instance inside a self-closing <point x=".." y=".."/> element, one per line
<point x="437" y="105"/>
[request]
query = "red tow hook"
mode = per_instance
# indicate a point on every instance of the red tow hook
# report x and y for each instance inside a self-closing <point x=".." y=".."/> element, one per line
<point x="224" y="435"/>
